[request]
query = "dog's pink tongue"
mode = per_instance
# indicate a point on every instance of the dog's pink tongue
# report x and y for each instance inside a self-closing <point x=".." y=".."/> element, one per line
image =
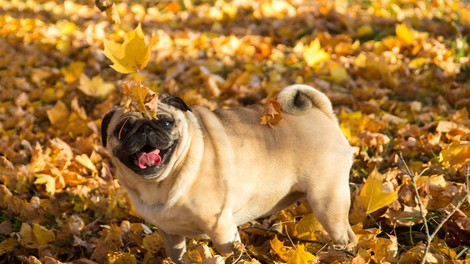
<point x="149" y="159"/>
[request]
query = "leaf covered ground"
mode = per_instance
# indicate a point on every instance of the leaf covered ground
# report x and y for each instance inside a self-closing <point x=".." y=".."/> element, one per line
<point x="397" y="72"/>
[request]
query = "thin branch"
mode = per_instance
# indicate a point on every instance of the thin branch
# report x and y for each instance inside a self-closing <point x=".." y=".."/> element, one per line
<point x="420" y="204"/>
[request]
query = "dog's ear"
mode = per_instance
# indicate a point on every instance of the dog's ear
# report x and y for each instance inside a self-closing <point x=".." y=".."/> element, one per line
<point x="104" y="126"/>
<point x="176" y="102"/>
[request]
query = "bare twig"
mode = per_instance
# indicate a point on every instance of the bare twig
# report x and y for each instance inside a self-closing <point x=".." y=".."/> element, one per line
<point x="420" y="203"/>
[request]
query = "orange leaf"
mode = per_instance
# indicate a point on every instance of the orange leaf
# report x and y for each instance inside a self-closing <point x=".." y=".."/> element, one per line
<point x="272" y="113"/>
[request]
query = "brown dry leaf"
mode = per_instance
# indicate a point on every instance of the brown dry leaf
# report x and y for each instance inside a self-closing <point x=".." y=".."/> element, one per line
<point x="272" y="113"/>
<point x="59" y="114"/>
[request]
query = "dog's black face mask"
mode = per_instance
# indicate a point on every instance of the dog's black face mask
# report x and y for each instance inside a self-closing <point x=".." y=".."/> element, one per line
<point x="145" y="145"/>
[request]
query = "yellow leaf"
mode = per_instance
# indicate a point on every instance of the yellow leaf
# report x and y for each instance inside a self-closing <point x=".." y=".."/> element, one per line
<point x="299" y="255"/>
<point x="456" y="153"/>
<point x="314" y="54"/>
<point x="153" y="243"/>
<point x="58" y="114"/>
<point x="373" y="196"/>
<point x="121" y="258"/>
<point x="73" y="71"/>
<point x="280" y="249"/>
<point x="42" y="234"/>
<point x="404" y="34"/>
<point x="86" y="162"/>
<point x="8" y="245"/>
<point x="48" y="180"/>
<point x="306" y="227"/>
<point x="132" y="55"/>
<point x="95" y="87"/>
<point x="338" y="74"/>
<point x="365" y="30"/>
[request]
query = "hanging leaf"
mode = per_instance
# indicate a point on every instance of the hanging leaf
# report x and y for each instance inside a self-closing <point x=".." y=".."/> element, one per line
<point x="132" y="55"/>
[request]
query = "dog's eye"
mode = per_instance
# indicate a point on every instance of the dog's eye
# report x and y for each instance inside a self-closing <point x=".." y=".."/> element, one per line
<point x="165" y="123"/>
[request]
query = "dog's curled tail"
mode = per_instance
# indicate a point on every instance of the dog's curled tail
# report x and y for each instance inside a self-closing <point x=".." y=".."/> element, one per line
<point x="298" y="98"/>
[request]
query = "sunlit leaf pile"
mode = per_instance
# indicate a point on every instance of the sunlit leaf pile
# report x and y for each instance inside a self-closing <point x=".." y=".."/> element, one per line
<point x="397" y="72"/>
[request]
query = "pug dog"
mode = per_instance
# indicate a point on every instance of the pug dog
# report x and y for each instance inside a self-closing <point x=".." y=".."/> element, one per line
<point x="194" y="171"/>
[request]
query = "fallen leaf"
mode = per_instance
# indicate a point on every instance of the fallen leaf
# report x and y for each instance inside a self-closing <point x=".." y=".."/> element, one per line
<point x="456" y="154"/>
<point x="58" y="114"/>
<point x="299" y="255"/>
<point x="373" y="196"/>
<point x="42" y="234"/>
<point x="404" y="34"/>
<point x="95" y="87"/>
<point x="47" y="180"/>
<point x="73" y="71"/>
<point x="314" y="55"/>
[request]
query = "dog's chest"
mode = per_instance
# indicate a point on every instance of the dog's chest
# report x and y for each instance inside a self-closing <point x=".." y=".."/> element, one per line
<point x="174" y="220"/>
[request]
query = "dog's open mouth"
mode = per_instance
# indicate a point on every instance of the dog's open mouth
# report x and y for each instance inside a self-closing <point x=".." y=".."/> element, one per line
<point x="149" y="160"/>
<point x="149" y="156"/>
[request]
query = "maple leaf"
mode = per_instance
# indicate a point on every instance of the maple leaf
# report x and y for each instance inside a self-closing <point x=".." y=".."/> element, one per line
<point x="299" y="255"/>
<point x="314" y="54"/>
<point x="373" y="196"/>
<point x="272" y="113"/>
<point x="132" y="55"/>
<point x="95" y="87"/>
<point x="279" y="248"/>
<point x="291" y="255"/>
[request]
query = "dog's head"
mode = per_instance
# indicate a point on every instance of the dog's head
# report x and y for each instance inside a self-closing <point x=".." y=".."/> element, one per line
<point x="146" y="146"/>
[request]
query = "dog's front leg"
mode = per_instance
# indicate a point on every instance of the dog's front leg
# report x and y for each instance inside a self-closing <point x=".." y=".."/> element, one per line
<point x="175" y="245"/>
<point x="223" y="233"/>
